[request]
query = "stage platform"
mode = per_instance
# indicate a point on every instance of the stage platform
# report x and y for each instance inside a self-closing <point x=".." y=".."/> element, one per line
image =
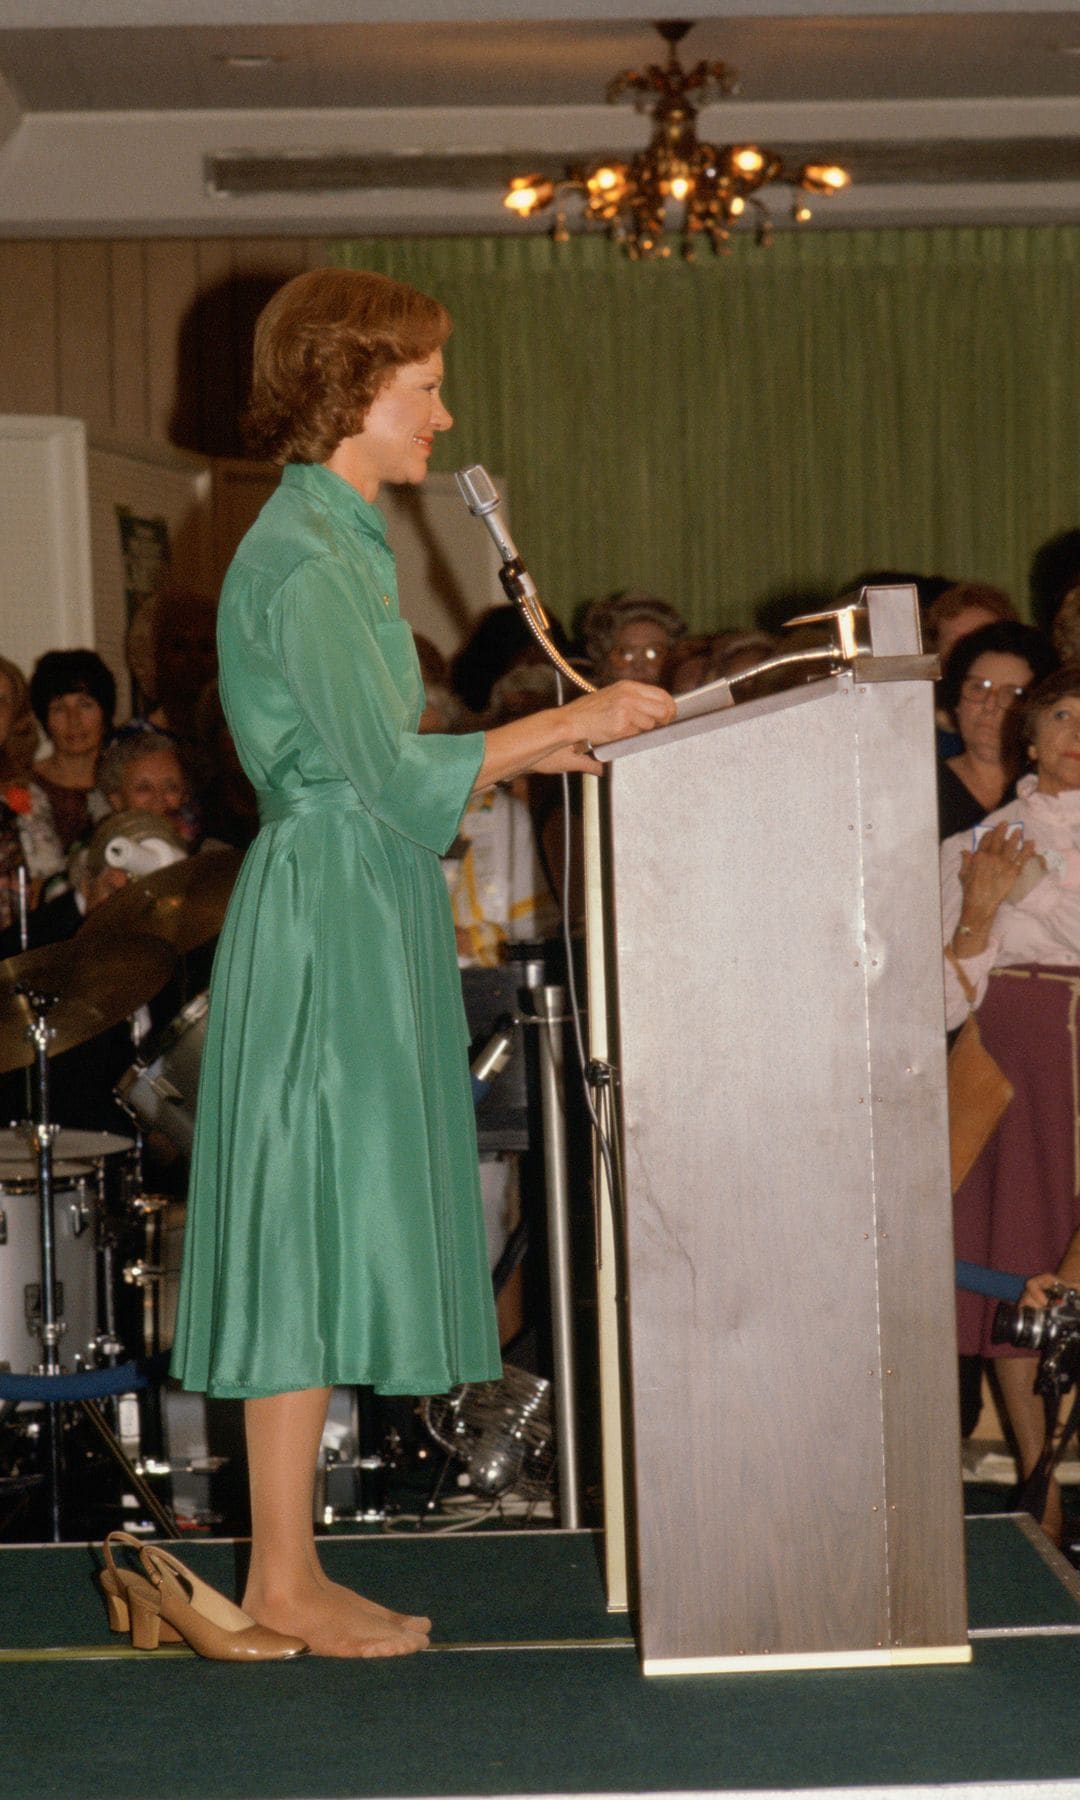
<point x="530" y="1688"/>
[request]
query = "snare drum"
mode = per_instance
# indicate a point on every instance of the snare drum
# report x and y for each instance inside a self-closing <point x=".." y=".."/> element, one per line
<point x="75" y="1238"/>
<point x="161" y="1088"/>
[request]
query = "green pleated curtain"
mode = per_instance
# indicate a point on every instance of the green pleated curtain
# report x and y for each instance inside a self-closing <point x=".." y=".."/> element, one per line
<point x="775" y="420"/>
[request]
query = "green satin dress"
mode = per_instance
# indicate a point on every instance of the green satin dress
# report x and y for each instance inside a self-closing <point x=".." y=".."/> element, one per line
<point x="334" y="1230"/>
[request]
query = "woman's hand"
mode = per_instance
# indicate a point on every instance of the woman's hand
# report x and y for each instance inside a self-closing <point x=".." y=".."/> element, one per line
<point x="620" y="711"/>
<point x="1037" y="1292"/>
<point x="559" y="740"/>
<point x="988" y="874"/>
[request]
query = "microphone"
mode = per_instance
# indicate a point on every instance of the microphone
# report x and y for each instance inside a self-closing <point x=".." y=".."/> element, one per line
<point x="478" y="492"/>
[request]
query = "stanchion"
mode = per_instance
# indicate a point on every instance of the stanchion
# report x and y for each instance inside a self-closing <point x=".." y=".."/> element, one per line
<point x="550" y="1003"/>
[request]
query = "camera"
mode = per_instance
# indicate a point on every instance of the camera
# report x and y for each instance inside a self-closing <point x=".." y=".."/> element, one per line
<point x="1054" y="1331"/>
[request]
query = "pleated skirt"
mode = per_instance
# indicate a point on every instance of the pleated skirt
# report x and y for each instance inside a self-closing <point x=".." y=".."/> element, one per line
<point x="335" y="1232"/>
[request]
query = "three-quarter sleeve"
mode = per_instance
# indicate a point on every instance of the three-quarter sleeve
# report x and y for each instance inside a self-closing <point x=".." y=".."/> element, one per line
<point x="336" y="655"/>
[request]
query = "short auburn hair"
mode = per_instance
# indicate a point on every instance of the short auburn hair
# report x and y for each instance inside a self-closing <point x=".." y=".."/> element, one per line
<point x="324" y="345"/>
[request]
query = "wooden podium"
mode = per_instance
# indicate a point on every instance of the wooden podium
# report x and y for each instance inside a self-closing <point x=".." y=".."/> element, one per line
<point x="775" y="1019"/>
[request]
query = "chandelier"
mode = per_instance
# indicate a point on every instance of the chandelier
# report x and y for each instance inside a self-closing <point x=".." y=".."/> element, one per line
<point x="698" y="190"/>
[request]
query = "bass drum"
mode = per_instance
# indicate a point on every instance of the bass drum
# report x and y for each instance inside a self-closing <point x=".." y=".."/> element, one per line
<point x="75" y="1238"/>
<point x="161" y="1088"/>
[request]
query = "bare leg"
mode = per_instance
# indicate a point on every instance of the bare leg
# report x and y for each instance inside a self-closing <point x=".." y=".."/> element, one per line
<point x="1027" y="1421"/>
<point x="286" y="1587"/>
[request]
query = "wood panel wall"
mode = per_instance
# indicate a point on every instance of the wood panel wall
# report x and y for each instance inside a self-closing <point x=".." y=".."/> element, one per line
<point x="143" y="337"/>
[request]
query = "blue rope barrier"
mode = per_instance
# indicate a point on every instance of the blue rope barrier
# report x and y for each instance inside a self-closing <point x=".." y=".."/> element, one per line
<point x="993" y="1283"/>
<point x="85" y="1384"/>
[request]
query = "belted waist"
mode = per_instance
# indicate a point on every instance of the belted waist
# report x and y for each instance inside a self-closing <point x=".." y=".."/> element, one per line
<point x="321" y="796"/>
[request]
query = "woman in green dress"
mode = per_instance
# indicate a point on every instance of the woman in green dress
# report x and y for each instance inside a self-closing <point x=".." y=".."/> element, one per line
<point x="334" y="1229"/>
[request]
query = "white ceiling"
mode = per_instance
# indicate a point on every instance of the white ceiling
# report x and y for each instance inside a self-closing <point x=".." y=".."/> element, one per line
<point x="112" y="110"/>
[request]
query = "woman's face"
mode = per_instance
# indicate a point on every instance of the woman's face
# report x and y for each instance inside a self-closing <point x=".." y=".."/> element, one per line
<point x="640" y="653"/>
<point x="7" y="708"/>
<point x="398" y="432"/>
<point x="1056" y="749"/>
<point x="153" y="783"/>
<point x="993" y="687"/>
<point x="76" y="724"/>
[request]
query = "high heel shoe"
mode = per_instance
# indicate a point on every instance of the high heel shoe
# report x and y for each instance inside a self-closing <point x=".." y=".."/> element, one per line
<point x="117" y="1585"/>
<point x="168" y="1603"/>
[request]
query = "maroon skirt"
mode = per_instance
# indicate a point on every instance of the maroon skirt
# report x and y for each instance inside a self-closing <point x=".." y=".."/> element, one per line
<point x="1020" y="1204"/>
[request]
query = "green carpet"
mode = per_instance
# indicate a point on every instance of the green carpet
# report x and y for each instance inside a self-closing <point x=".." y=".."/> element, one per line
<point x="470" y="1717"/>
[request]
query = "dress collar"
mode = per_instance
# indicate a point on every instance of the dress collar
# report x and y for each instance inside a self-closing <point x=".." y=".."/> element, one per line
<point x="338" y="495"/>
<point x="1065" y="806"/>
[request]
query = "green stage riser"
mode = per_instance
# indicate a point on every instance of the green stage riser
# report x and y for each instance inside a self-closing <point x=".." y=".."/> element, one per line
<point x="468" y="1718"/>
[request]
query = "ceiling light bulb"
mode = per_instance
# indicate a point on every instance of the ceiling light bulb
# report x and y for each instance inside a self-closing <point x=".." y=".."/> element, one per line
<point x="827" y="178"/>
<point x="736" y="206"/>
<point x="528" y="194"/>
<point x="680" y="187"/>
<point x="748" y="161"/>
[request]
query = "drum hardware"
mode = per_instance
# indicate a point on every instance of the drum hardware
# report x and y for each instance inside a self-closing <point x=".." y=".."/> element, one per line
<point x="52" y="1000"/>
<point x="160" y="1088"/>
<point x="140" y="1274"/>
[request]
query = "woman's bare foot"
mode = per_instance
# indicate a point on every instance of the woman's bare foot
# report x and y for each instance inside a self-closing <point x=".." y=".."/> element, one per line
<point x="385" y="1615"/>
<point x="332" y="1620"/>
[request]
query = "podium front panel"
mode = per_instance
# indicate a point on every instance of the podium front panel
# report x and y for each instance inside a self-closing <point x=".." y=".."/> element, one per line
<point x="780" y="1047"/>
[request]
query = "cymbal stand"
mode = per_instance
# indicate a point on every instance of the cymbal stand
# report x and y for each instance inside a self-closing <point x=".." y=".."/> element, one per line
<point x="23" y="907"/>
<point x="39" y="1033"/>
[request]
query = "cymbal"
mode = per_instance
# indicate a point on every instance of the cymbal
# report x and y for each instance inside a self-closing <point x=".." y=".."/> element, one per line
<point x="96" y="983"/>
<point x="72" y="1150"/>
<point x="183" y="904"/>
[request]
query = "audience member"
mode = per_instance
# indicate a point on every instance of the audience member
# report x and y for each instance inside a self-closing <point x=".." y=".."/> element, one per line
<point x="1055" y="569"/>
<point x="180" y="658"/>
<point x="227" y="803"/>
<point x="82" y="1079"/>
<point x="499" y="641"/>
<point x="1066" y="632"/>
<point x="92" y="878"/>
<point x="631" y="635"/>
<point x="985" y="680"/>
<point x="1011" y="913"/>
<point x="142" y="771"/>
<point x="27" y="834"/>
<point x="960" y="609"/>
<point x="927" y="587"/>
<point x="733" y="652"/>
<point x="73" y="695"/>
<point x="18" y="727"/>
<point x="443" y="711"/>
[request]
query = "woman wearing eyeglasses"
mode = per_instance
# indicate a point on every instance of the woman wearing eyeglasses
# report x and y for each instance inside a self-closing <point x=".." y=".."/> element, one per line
<point x="631" y="636"/>
<point x="1011" y="912"/>
<point x="987" y="674"/>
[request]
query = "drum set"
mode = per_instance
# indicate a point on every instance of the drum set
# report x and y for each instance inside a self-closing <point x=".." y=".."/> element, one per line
<point x="89" y="1243"/>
